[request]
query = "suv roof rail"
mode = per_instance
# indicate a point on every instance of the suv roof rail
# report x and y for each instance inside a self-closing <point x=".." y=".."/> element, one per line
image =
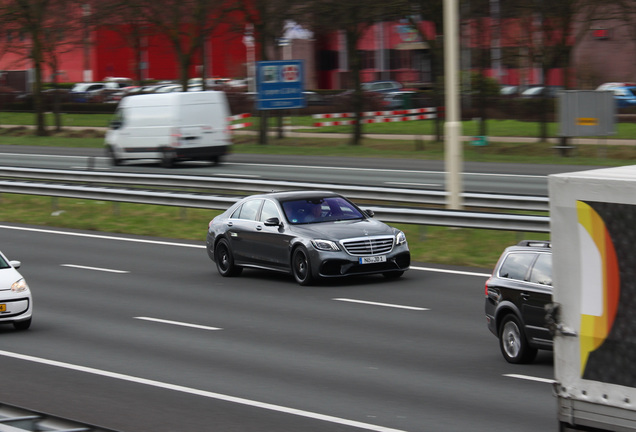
<point x="535" y="243"/>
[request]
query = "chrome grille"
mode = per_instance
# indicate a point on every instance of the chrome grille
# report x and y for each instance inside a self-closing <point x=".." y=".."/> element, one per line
<point x="368" y="245"/>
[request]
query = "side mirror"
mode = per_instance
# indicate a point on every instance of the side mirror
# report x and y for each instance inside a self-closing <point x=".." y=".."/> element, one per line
<point x="370" y="213"/>
<point x="115" y="124"/>
<point x="15" y="264"/>
<point x="274" y="221"/>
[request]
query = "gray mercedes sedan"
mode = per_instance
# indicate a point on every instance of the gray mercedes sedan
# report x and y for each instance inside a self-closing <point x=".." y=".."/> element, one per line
<point x="310" y="235"/>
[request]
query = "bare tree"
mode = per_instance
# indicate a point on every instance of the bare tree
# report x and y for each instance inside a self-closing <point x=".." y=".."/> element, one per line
<point x="354" y="18"/>
<point x="184" y="23"/>
<point x="550" y="31"/>
<point x="45" y="25"/>
<point x="267" y="20"/>
<point x="431" y="11"/>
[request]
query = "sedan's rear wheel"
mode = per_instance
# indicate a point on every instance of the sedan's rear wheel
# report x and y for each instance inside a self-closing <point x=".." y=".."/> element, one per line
<point x="513" y="343"/>
<point x="301" y="267"/>
<point x="225" y="260"/>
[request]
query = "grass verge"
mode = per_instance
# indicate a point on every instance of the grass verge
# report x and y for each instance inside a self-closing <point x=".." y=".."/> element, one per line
<point x="428" y="244"/>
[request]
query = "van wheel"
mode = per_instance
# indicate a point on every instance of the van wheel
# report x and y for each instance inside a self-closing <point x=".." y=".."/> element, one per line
<point x="167" y="158"/>
<point x="113" y="156"/>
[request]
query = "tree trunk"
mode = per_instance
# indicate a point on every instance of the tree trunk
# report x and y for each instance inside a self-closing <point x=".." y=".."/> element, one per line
<point x="354" y="67"/>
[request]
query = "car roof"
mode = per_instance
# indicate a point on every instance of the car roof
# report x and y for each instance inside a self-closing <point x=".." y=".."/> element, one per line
<point x="292" y="195"/>
<point x="531" y="245"/>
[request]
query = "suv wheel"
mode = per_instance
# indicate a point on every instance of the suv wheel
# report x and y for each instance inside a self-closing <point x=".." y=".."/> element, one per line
<point x="513" y="343"/>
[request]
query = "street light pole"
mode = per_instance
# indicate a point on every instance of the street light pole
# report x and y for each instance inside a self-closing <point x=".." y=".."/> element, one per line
<point x="452" y="127"/>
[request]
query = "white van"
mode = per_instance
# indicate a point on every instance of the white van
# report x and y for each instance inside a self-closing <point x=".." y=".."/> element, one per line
<point x="170" y="127"/>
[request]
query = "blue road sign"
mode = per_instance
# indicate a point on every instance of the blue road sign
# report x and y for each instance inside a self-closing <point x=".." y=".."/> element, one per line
<point x="280" y="84"/>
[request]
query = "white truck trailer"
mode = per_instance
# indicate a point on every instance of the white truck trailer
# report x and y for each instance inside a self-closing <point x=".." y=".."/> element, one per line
<point x="593" y="315"/>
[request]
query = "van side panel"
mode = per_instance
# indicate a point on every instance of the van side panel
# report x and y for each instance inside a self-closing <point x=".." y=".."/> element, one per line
<point x="188" y="125"/>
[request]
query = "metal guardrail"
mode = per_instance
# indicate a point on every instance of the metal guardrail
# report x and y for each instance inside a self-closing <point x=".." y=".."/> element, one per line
<point x="508" y="222"/>
<point x="14" y="419"/>
<point x="413" y="196"/>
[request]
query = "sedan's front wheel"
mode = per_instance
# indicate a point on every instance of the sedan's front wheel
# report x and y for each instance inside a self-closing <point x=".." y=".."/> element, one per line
<point x="301" y="267"/>
<point x="225" y="260"/>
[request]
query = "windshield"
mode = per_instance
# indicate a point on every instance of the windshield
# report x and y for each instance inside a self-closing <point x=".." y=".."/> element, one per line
<point x="316" y="210"/>
<point x="3" y="263"/>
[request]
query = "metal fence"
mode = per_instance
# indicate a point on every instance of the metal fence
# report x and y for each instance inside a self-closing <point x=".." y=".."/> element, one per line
<point x="108" y="187"/>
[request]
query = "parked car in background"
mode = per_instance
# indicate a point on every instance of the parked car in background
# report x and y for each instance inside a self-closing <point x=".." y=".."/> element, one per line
<point x="16" y="304"/>
<point x="624" y="93"/>
<point x="311" y="235"/>
<point x="509" y="90"/>
<point x="381" y="86"/>
<point x="399" y="99"/>
<point x="516" y="295"/>
<point x="88" y="92"/>
<point x="541" y="91"/>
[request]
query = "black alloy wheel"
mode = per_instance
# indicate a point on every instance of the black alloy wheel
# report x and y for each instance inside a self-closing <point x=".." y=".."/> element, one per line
<point x="301" y="267"/>
<point x="225" y="261"/>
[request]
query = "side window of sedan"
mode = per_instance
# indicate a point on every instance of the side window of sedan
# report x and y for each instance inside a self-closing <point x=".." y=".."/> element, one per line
<point x="248" y="211"/>
<point x="269" y="211"/>
<point x="516" y="265"/>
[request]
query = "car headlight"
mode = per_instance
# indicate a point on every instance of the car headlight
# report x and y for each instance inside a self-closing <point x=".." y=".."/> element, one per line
<point x="19" y="286"/>
<point x="400" y="238"/>
<point x="325" y="245"/>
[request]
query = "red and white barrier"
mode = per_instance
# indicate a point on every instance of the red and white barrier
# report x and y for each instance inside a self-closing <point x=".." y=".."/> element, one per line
<point x="239" y="117"/>
<point x="378" y="116"/>
<point x="377" y="120"/>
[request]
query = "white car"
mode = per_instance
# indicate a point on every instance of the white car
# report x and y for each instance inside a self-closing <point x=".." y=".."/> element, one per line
<point x="16" y="304"/>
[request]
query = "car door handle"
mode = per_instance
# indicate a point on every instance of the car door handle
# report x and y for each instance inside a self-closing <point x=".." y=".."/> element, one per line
<point x="525" y="296"/>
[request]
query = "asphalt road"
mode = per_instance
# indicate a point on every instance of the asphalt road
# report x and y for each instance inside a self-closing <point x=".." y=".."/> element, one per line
<point x="140" y="334"/>
<point x="516" y="179"/>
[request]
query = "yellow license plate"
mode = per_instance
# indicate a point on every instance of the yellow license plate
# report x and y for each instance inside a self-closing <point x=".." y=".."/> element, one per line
<point x="3" y="307"/>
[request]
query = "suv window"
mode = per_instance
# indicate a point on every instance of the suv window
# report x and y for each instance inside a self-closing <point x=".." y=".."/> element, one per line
<point x="516" y="265"/>
<point x="542" y="270"/>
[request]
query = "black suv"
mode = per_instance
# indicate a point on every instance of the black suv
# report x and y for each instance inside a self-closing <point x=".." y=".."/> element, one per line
<point x="516" y="295"/>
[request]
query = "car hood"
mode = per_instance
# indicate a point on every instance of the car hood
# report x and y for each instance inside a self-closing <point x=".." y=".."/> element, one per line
<point x="7" y="277"/>
<point x="344" y="229"/>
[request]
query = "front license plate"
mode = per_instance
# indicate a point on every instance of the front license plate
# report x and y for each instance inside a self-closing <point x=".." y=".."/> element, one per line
<point x="3" y="307"/>
<point x="372" y="259"/>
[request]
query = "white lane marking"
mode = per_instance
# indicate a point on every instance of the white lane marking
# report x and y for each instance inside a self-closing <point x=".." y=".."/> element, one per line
<point x="94" y="268"/>
<point x="177" y="323"/>
<point x="106" y="237"/>
<point x="203" y="393"/>
<point x="380" y="304"/>
<point x="238" y="175"/>
<point x="166" y="243"/>
<point x="412" y="184"/>
<point x="530" y="378"/>
<point x="458" y="272"/>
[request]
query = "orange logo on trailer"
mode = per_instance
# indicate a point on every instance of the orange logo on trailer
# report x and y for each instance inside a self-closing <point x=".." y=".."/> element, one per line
<point x="600" y="280"/>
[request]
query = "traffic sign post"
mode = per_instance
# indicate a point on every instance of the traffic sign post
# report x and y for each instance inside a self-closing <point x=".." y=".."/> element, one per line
<point x="280" y="84"/>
